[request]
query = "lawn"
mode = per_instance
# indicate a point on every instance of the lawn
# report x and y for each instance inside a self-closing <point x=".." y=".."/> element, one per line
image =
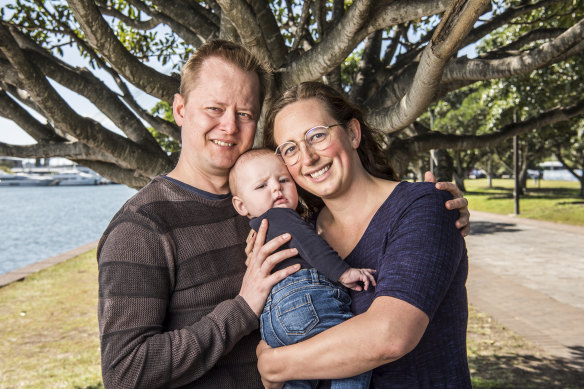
<point x="49" y="338"/>
<point x="555" y="201"/>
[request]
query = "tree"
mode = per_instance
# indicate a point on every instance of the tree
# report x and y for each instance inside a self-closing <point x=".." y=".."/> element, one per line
<point x="394" y="58"/>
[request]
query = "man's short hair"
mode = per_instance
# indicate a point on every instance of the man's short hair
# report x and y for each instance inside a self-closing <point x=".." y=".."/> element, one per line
<point x="243" y="158"/>
<point x="230" y="52"/>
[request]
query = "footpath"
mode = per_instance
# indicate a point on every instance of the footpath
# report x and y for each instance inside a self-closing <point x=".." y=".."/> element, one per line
<point x="529" y="276"/>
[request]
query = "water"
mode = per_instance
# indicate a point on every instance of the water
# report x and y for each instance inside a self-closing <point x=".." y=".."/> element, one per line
<point x="41" y="222"/>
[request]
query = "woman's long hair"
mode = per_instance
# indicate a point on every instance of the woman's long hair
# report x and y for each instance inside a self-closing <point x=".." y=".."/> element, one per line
<point x="372" y="156"/>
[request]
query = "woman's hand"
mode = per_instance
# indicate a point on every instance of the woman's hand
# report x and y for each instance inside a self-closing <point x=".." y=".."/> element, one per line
<point x="458" y="202"/>
<point x="258" y="280"/>
<point x="264" y="347"/>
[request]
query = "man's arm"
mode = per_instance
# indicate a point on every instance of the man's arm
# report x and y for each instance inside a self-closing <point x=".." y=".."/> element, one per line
<point x="458" y="202"/>
<point x="136" y="281"/>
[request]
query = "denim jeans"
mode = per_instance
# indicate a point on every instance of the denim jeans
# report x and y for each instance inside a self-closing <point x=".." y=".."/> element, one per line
<point x="301" y="306"/>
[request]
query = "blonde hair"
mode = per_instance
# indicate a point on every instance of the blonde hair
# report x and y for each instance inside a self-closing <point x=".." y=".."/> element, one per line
<point x="230" y="52"/>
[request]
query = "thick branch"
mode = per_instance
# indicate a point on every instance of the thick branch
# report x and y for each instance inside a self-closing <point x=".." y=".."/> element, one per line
<point x="70" y="150"/>
<point x="244" y="20"/>
<point x="157" y="17"/>
<point x="86" y="84"/>
<point x="39" y="131"/>
<point x="191" y="15"/>
<point x="434" y="140"/>
<point x="101" y="37"/>
<point x="134" y="23"/>
<point x="63" y="117"/>
<point x="271" y="31"/>
<point x="484" y="69"/>
<point x="332" y="50"/>
<point x="504" y="18"/>
<point x="369" y="63"/>
<point x="458" y="20"/>
<point x="115" y="173"/>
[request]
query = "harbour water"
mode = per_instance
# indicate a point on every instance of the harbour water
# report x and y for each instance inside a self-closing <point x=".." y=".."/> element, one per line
<point x="40" y="222"/>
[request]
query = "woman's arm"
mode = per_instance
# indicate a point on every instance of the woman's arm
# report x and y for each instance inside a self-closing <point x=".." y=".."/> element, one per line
<point x="397" y="327"/>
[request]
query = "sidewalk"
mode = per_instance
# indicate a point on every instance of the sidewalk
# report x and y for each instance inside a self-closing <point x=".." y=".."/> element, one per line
<point x="529" y="275"/>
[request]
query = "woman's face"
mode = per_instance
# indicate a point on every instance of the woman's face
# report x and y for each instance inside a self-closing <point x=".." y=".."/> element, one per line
<point x="325" y="173"/>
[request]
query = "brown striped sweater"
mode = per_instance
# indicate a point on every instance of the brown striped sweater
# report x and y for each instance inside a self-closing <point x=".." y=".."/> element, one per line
<point x="170" y="269"/>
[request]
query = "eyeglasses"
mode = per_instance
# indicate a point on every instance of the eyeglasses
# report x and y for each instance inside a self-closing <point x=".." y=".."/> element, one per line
<point x="318" y="138"/>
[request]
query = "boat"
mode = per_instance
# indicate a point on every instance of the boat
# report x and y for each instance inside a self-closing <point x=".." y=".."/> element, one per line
<point x="76" y="177"/>
<point x="22" y="179"/>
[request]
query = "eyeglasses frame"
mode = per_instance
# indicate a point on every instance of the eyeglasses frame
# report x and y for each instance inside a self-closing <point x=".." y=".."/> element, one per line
<point x="303" y="139"/>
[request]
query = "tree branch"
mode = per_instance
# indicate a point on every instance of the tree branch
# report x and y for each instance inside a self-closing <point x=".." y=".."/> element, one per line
<point x="245" y="22"/>
<point x="191" y="16"/>
<point x="101" y="37"/>
<point x="332" y="50"/>
<point x="271" y="32"/>
<point x="486" y="69"/>
<point x="63" y="117"/>
<point x="13" y="111"/>
<point x="504" y="18"/>
<point x="458" y="20"/>
<point x="434" y="139"/>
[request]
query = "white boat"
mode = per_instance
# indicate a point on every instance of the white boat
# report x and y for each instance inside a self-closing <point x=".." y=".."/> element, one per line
<point x="21" y="179"/>
<point x="76" y="177"/>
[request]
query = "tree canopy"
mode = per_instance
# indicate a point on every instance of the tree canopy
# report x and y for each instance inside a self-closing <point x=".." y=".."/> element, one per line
<point x="394" y="58"/>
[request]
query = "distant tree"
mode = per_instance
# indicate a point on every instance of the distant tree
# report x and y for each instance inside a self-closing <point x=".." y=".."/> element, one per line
<point x="395" y="58"/>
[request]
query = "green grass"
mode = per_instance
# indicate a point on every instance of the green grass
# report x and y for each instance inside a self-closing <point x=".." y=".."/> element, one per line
<point x="555" y="201"/>
<point x="49" y="338"/>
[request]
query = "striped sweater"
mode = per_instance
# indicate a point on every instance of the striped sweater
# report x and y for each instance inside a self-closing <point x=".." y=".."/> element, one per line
<point x="170" y="269"/>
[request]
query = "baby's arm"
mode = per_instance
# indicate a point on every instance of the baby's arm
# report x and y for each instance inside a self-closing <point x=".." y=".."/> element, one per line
<point x="352" y="276"/>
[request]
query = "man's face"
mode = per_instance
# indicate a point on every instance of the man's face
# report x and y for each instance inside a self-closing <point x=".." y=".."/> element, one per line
<point x="218" y="117"/>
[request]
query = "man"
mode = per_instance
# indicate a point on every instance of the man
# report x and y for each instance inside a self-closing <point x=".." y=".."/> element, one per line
<point x="177" y="306"/>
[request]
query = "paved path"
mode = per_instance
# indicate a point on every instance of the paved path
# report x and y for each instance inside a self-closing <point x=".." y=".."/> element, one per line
<point x="529" y="275"/>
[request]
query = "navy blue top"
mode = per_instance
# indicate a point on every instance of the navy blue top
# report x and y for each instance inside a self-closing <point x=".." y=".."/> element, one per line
<point x="313" y="251"/>
<point x="420" y="258"/>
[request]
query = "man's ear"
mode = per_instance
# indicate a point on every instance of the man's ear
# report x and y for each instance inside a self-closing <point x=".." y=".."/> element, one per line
<point x="178" y="109"/>
<point x="354" y="128"/>
<point x="239" y="207"/>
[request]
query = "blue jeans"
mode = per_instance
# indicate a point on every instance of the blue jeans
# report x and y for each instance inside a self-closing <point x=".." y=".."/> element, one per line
<point x="301" y="306"/>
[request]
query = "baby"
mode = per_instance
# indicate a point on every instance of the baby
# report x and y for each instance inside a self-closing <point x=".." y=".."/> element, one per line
<point x="310" y="300"/>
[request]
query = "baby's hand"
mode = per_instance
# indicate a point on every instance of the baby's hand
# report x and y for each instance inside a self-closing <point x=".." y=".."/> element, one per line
<point x="351" y="277"/>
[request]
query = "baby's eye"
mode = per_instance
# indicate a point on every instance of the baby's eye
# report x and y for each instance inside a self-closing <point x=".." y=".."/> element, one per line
<point x="285" y="179"/>
<point x="260" y="186"/>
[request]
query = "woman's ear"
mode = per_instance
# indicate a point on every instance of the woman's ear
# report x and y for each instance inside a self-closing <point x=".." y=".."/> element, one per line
<point x="354" y="128"/>
<point x="239" y="207"/>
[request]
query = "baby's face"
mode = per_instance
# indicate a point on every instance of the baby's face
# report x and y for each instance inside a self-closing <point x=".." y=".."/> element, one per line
<point x="264" y="183"/>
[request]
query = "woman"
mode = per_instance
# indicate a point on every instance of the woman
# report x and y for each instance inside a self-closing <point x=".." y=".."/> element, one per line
<point x="411" y="328"/>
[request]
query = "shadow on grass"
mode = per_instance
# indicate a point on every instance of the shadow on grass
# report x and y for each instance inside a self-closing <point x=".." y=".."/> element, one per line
<point x="485" y="228"/>
<point x="99" y="385"/>
<point x="525" y="371"/>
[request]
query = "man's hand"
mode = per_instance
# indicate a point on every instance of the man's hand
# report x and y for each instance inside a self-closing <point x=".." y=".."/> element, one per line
<point x="258" y="280"/>
<point x="458" y="202"/>
<point x="263" y="347"/>
<point x="351" y="278"/>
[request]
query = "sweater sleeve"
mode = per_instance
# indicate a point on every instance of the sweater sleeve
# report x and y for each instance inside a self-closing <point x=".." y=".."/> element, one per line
<point x="311" y="247"/>
<point x="136" y="280"/>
